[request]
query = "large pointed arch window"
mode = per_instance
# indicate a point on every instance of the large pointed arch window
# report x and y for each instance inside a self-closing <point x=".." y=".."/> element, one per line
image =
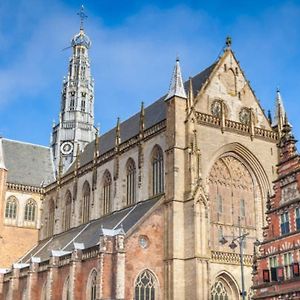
<point x="50" y="225"/>
<point x="11" y="208"/>
<point x="67" y="210"/>
<point x="157" y="171"/>
<point x="131" y="182"/>
<point x="92" y="286"/>
<point x="145" y="286"/>
<point x="86" y="202"/>
<point x="30" y="212"/>
<point x="107" y="183"/>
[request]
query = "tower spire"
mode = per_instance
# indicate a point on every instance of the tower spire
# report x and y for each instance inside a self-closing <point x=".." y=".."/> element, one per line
<point x="82" y="16"/>
<point x="75" y="128"/>
<point x="176" y="86"/>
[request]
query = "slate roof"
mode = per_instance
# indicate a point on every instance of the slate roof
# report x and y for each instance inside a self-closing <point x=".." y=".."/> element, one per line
<point x="27" y="164"/>
<point x="154" y="113"/>
<point x="89" y="233"/>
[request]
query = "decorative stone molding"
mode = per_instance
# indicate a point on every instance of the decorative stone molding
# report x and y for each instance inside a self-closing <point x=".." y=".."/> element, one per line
<point x="25" y="188"/>
<point x="230" y="125"/>
<point x="230" y="258"/>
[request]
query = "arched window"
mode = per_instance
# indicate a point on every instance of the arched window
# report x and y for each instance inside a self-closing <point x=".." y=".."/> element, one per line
<point x="11" y="208"/>
<point x="92" y="286"/>
<point x="106" y="192"/>
<point x="145" y="286"/>
<point x="218" y="291"/>
<point x="157" y="171"/>
<point x="86" y="202"/>
<point x="66" y="290"/>
<point x="131" y="182"/>
<point x="44" y="291"/>
<point x="51" y="217"/>
<point x="67" y="210"/>
<point x="30" y="212"/>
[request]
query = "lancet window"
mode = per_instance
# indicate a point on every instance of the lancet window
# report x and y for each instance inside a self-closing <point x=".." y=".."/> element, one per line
<point x="86" y="202"/>
<point x="11" y="208"/>
<point x="107" y="183"/>
<point x="157" y="171"/>
<point x="30" y="211"/>
<point x="131" y="182"/>
<point x="92" y="286"/>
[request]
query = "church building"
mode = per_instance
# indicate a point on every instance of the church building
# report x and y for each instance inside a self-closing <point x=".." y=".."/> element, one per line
<point x="138" y="212"/>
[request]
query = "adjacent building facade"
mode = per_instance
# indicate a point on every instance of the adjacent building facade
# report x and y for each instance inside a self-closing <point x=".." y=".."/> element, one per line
<point x="24" y="171"/>
<point x="138" y="212"/>
<point x="276" y="272"/>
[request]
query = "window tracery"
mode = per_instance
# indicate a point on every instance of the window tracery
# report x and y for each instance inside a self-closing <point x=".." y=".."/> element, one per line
<point x="11" y="208"/>
<point x="146" y="286"/>
<point x="30" y="211"/>
<point x="219" y="292"/>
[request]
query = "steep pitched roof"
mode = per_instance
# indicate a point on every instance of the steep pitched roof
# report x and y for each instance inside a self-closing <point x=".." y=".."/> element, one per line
<point x="89" y="234"/>
<point x="154" y="113"/>
<point x="27" y="164"/>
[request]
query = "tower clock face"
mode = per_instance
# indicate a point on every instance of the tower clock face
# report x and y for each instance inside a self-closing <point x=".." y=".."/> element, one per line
<point x="66" y="148"/>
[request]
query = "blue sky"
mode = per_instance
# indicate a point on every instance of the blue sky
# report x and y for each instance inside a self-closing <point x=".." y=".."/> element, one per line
<point x="134" y="48"/>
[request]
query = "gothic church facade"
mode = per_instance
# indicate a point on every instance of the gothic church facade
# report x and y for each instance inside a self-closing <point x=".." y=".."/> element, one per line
<point x="139" y="211"/>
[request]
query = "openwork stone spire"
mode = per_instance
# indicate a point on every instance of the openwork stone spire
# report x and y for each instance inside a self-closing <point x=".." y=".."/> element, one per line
<point x="279" y="117"/>
<point x="176" y="86"/>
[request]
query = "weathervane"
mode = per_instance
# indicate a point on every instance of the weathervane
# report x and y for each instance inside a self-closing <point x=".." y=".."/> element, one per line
<point x="82" y="16"/>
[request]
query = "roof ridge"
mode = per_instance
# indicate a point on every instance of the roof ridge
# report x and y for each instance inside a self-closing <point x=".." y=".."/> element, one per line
<point x="26" y="143"/>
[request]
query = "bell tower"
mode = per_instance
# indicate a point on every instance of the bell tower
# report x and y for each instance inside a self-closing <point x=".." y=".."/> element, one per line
<point x="75" y="128"/>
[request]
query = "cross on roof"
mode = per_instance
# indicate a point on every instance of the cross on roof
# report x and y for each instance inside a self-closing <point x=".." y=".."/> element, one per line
<point x="82" y="16"/>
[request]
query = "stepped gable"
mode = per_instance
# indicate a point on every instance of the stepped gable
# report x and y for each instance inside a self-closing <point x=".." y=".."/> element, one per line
<point x="154" y="114"/>
<point x="89" y="233"/>
<point x="27" y="164"/>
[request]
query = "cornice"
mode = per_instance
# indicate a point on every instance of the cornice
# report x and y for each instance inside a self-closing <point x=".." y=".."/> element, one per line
<point x="25" y="188"/>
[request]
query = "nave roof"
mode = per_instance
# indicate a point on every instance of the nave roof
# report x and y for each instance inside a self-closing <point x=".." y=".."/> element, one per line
<point x="89" y="234"/>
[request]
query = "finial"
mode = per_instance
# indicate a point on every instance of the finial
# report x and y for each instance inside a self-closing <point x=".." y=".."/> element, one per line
<point x="96" y="149"/>
<point x="142" y="117"/>
<point x="228" y="42"/>
<point x="118" y="137"/>
<point x="270" y="116"/>
<point x="82" y="16"/>
<point x="191" y="93"/>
